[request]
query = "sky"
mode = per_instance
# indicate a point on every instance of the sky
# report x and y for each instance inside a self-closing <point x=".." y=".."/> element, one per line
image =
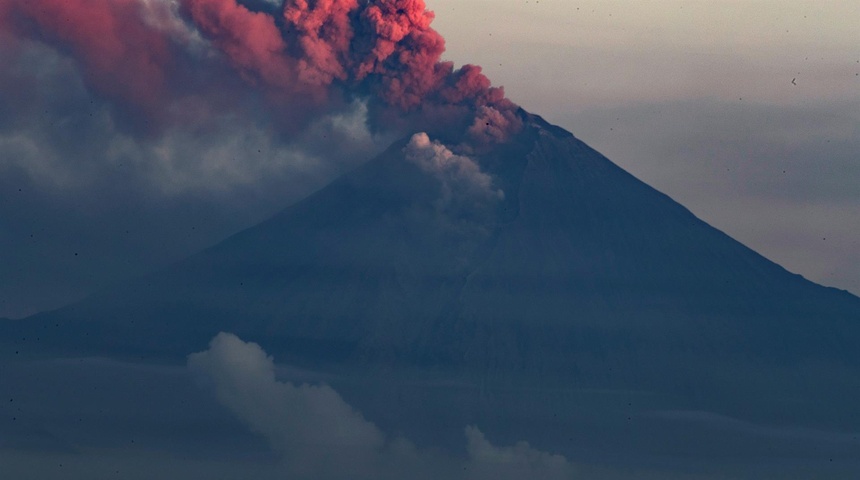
<point x="745" y="112"/>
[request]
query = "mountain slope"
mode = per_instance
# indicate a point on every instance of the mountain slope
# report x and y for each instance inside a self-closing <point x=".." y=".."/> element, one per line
<point x="579" y="272"/>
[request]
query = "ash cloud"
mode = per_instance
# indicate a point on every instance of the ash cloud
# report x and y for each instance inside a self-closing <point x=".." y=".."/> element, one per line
<point x="121" y="55"/>
<point x="136" y="132"/>
<point x="461" y="178"/>
<point x="155" y="58"/>
<point x="319" y="436"/>
<point x="86" y="201"/>
<point x="140" y="74"/>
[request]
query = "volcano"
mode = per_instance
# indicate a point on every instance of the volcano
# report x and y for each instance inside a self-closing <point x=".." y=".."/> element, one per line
<point x="570" y="271"/>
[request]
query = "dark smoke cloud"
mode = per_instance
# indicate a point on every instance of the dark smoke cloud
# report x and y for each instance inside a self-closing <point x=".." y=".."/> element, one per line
<point x="136" y="132"/>
<point x="305" y="59"/>
<point x="121" y="55"/>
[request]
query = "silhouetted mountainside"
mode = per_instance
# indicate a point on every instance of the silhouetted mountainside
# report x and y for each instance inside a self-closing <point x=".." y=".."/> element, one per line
<point x="579" y="271"/>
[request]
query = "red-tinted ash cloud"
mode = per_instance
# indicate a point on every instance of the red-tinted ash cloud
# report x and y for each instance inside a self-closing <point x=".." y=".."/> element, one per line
<point x="307" y="58"/>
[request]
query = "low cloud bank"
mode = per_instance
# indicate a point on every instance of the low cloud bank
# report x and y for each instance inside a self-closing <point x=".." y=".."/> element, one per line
<point x="319" y="436"/>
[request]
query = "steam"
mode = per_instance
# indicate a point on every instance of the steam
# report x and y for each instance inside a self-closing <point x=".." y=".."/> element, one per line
<point x="319" y="436"/>
<point x="460" y="176"/>
<point x="306" y="59"/>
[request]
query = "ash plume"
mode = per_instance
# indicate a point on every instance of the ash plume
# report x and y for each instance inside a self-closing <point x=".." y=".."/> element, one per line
<point x="461" y="178"/>
<point x="175" y="62"/>
<point x="121" y="55"/>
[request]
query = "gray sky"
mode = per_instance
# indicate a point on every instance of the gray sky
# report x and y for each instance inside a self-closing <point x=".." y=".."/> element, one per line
<point x="747" y="112"/>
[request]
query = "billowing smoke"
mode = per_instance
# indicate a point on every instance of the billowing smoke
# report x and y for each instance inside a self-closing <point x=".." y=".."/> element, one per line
<point x="163" y="61"/>
<point x="179" y="122"/>
<point x="461" y="177"/>
<point x="319" y="436"/>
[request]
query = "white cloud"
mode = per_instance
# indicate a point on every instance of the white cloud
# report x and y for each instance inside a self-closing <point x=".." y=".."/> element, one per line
<point x="520" y="461"/>
<point x="320" y="436"/>
<point x="310" y="425"/>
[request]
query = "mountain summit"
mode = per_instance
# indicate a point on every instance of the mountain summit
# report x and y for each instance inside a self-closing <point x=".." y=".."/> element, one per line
<point x="538" y="258"/>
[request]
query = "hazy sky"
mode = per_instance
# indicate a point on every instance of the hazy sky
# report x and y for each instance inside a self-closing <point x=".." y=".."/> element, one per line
<point x="747" y="112"/>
